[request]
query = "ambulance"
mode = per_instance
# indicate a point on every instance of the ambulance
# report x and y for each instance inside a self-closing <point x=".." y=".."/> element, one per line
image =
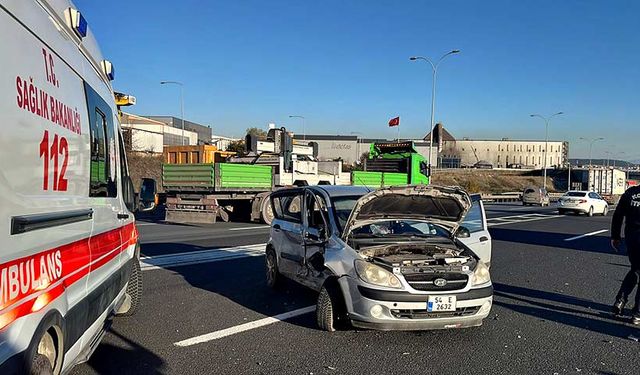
<point x="69" y="255"/>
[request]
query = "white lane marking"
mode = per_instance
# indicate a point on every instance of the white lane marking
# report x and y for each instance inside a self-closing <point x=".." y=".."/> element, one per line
<point x="523" y="221"/>
<point x="143" y="223"/>
<point x="244" y="327"/>
<point x="586" y="235"/>
<point x="249" y="228"/>
<point x="202" y="256"/>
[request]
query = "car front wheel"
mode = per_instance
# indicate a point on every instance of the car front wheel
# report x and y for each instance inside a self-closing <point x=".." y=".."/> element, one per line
<point x="330" y="309"/>
<point x="605" y="211"/>
<point x="590" y="212"/>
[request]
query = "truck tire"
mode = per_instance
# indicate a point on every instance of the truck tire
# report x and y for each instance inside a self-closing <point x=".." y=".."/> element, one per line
<point x="134" y="289"/>
<point x="266" y="210"/>
<point x="330" y="309"/>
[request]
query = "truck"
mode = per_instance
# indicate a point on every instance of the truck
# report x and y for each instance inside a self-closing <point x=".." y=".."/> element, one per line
<point x="392" y="163"/>
<point x="203" y="184"/>
<point x="610" y="183"/>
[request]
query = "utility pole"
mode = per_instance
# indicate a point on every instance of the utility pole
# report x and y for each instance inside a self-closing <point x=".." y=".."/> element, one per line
<point x="434" y="70"/>
<point x="546" y="142"/>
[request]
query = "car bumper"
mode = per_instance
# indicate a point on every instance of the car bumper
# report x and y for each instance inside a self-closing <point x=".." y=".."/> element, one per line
<point x="401" y="310"/>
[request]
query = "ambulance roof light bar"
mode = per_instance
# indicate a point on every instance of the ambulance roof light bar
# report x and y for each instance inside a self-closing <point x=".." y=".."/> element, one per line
<point x="77" y="22"/>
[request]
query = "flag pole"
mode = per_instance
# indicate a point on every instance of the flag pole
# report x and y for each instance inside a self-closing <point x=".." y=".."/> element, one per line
<point x="398" y="133"/>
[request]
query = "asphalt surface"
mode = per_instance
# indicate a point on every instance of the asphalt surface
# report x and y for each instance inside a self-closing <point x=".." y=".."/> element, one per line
<point x="550" y="312"/>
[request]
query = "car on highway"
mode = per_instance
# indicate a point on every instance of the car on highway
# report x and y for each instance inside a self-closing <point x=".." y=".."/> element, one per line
<point x="535" y="195"/>
<point x="583" y="202"/>
<point x="398" y="258"/>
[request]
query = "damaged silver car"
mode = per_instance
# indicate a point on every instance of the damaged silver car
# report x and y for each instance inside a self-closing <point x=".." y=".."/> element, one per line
<point x="400" y="258"/>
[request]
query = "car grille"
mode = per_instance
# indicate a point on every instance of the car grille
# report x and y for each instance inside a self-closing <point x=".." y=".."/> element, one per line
<point x="424" y="314"/>
<point x="426" y="281"/>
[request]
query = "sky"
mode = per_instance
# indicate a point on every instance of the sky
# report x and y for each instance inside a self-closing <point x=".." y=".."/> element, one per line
<point x="344" y="65"/>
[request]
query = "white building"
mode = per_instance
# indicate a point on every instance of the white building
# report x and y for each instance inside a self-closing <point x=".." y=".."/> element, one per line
<point x="149" y="135"/>
<point x="222" y="142"/>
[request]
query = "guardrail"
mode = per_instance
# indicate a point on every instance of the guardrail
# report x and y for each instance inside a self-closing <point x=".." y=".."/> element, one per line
<point x="514" y="197"/>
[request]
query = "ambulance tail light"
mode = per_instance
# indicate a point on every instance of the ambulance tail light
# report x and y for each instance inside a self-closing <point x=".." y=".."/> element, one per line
<point x="108" y="69"/>
<point x="76" y="21"/>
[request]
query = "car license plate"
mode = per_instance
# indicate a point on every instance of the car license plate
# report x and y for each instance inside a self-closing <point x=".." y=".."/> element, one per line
<point x="441" y="303"/>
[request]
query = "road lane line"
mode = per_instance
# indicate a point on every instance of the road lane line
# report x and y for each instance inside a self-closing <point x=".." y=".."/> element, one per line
<point x="586" y="235"/>
<point x="523" y="221"/>
<point x="244" y="327"/>
<point x="149" y="263"/>
<point x="249" y="228"/>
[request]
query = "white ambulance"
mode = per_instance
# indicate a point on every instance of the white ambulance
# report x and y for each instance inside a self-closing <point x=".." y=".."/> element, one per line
<point x="69" y="258"/>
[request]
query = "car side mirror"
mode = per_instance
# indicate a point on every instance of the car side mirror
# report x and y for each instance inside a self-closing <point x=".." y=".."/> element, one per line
<point x="463" y="232"/>
<point x="148" y="199"/>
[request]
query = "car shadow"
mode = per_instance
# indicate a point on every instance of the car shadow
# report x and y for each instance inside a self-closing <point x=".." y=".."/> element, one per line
<point x="251" y="290"/>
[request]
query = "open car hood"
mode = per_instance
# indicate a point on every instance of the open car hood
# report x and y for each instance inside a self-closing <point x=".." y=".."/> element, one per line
<point x="446" y="206"/>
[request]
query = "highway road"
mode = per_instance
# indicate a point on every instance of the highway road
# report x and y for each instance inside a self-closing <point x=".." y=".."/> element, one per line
<point x="206" y="309"/>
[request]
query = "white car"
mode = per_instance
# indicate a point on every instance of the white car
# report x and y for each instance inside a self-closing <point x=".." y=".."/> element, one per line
<point x="585" y="202"/>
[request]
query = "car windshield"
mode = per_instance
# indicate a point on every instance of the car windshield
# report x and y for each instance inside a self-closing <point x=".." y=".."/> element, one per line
<point x="400" y="228"/>
<point x="342" y="207"/>
<point x="575" y="194"/>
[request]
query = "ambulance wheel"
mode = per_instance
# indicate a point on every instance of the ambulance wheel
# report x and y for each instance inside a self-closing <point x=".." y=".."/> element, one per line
<point x="133" y="294"/>
<point x="40" y="365"/>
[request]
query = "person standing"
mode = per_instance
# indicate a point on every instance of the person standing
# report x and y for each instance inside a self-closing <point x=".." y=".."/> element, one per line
<point x="628" y="210"/>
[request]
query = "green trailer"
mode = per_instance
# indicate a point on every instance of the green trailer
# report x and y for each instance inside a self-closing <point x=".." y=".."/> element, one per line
<point x="392" y="164"/>
<point x="203" y="192"/>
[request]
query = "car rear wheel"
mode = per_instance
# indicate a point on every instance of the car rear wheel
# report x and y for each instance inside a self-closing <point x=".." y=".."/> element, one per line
<point x="562" y="212"/>
<point x="272" y="274"/>
<point x="330" y="309"/>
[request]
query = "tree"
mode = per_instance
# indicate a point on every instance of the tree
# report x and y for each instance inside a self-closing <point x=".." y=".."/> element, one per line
<point x="261" y="134"/>
<point x="236" y="146"/>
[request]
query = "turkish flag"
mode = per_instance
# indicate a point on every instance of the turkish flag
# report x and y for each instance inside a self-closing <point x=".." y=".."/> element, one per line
<point x="394" y="121"/>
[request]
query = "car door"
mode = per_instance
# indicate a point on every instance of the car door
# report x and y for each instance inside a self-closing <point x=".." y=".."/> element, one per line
<point x="315" y="233"/>
<point x="479" y="240"/>
<point x="286" y="229"/>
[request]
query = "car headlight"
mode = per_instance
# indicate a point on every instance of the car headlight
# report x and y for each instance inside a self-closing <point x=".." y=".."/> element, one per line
<point x="481" y="274"/>
<point x="376" y="275"/>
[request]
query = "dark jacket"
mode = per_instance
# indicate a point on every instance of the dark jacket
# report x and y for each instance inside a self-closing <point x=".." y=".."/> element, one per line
<point x="628" y="210"/>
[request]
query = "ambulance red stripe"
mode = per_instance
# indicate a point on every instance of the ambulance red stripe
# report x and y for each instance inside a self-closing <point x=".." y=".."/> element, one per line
<point x="76" y="260"/>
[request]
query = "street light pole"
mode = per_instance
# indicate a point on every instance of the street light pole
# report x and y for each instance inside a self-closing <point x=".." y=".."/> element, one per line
<point x="181" y="102"/>
<point x="546" y="143"/>
<point x="304" y="132"/>
<point x="592" y="141"/>
<point x="434" y="70"/>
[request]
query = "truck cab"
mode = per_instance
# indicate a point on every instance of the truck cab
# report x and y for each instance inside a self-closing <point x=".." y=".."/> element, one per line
<point x="392" y="164"/>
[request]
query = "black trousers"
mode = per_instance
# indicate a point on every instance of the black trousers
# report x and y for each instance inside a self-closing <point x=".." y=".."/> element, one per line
<point x="633" y="276"/>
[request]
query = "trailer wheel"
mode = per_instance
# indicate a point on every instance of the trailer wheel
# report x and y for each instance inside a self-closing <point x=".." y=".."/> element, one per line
<point x="266" y="211"/>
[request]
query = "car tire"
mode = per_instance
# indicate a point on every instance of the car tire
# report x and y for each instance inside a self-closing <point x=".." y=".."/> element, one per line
<point x="561" y="212"/>
<point x="134" y="289"/>
<point x="330" y="309"/>
<point x="590" y="212"/>
<point x="40" y="365"/>
<point x="605" y="211"/>
<point x="273" y="276"/>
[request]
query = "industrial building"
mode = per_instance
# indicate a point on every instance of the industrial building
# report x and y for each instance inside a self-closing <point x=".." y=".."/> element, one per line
<point x="146" y="135"/>
<point x="203" y="131"/>
<point x="451" y="152"/>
